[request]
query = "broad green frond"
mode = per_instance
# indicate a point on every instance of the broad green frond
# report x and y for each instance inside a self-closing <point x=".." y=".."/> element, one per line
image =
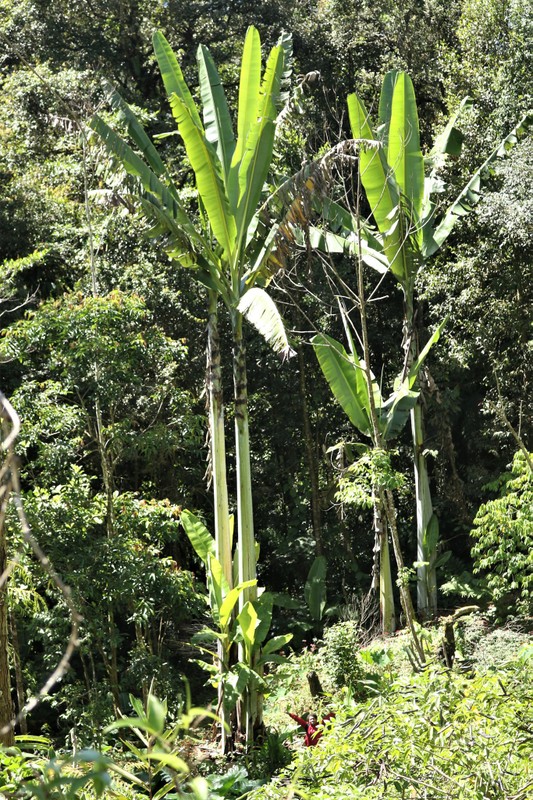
<point x="403" y="147"/>
<point x="250" y="82"/>
<point x="346" y="380"/>
<point x="207" y="170"/>
<point x="137" y="132"/>
<point x="261" y="312"/>
<point x="217" y="119"/>
<point x="173" y="76"/>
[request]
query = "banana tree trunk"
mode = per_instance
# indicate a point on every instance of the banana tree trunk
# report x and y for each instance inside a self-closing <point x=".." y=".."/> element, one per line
<point x="218" y="442"/>
<point x="386" y="594"/>
<point x="220" y="487"/>
<point x="250" y="717"/>
<point x="245" y="521"/>
<point x="381" y="572"/>
<point x="425" y="555"/>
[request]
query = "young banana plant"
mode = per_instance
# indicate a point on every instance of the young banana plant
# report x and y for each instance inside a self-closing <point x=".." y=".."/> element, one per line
<point x="400" y="187"/>
<point x="249" y="628"/>
<point x="346" y="375"/>
<point x="230" y="244"/>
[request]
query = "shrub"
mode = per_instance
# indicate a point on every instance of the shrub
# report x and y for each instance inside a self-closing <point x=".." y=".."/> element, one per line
<point x="342" y="662"/>
<point x="503" y="530"/>
<point x="436" y="734"/>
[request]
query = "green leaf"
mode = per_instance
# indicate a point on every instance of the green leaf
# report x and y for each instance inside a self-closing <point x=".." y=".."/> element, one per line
<point x="416" y="366"/>
<point x="163" y="791"/>
<point x="431" y="537"/>
<point x="346" y="380"/>
<point x="315" y="587"/>
<point x="207" y="170"/>
<point x="395" y="411"/>
<point x="250" y="81"/>
<point x="257" y="154"/>
<point x="199" y="536"/>
<point x="173" y="76"/>
<point x="263" y="606"/>
<point x="403" y="151"/>
<point x="136" y="131"/>
<point x="217" y="119"/>
<point x="156" y="712"/>
<point x="276" y="643"/>
<point x="471" y="193"/>
<point x="248" y="621"/>
<point x="261" y="312"/>
<point x="328" y="242"/>
<point x="380" y="187"/>
<point x="230" y="601"/>
<point x="385" y="106"/>
<point x="169" y="760"/>
<point x="218" y="585"/>
<point x="170" y="207"/>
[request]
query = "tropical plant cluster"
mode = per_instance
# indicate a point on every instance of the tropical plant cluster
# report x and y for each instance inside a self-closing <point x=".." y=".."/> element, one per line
<point x="265" y="338"/>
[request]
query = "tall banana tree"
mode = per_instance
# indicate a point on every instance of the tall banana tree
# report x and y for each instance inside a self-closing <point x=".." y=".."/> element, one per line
<point x="229" y="243"/>
<point x="392" y="171"/>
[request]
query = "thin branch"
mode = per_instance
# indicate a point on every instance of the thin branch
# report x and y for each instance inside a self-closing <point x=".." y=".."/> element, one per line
<point x="11" y="474"/>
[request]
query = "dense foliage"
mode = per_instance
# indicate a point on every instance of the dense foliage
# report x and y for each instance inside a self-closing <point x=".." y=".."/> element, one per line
<point x="103" y="321"/>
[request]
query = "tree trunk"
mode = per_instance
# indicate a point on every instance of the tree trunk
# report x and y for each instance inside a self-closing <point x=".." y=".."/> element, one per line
<point x="251" y="705"/>
<point x="218" y="443"/>
<point x="6" y="705"/>
<point x="217" y="449"/>
<point x="425" y="548"/>
<point x="245" y="521"/>
<point x="312" y="464"/>
<point x="19" y="679"/>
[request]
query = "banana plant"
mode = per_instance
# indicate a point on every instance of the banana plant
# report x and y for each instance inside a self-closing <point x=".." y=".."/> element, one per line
<point x="400" y="186"/>
<point x="346" y="375"/>
<point x="249" y="629"/>
<point x="230" y="244"/>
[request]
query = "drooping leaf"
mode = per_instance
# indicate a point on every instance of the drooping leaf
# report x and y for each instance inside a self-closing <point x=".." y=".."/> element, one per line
<point x="328" y="242"/>
<point x="394" y="412"/>
<point x="169" y="204"/>
<point x="136" y="131"/>
<point x="261" y="312"/>
<point x="471" y="193"/>
<point x="346" y="380"/>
